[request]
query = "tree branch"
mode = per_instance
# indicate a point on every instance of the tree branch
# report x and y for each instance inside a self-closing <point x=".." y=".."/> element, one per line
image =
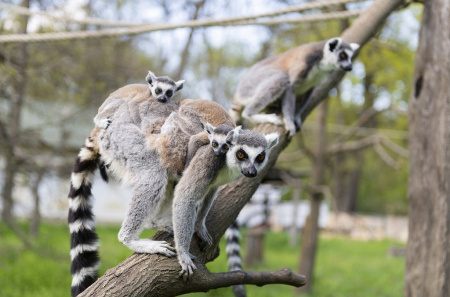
<point x="154" y="275"/>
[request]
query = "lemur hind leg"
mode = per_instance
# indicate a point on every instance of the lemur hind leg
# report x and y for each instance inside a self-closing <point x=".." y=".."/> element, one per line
<point x="267" y="92"/>
<point x="147" y="196"/>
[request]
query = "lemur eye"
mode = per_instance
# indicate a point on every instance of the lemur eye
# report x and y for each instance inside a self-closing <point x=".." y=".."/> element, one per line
<point x="260" y="157"/>
<point x="158" y="91"/>
<point x="169" y="93"/>
<point x="226" y="147"/>
<point x="214" y="144"/>
<point x="241" y="155"/>
<point x="343" y="56"/>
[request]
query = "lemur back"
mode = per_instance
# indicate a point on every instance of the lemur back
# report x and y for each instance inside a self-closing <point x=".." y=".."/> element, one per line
<point x="186" y="128"/>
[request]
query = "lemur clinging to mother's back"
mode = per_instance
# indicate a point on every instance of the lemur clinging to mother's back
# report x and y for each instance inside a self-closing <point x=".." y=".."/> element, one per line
<point x="285" y="77"/>
<point x="162" y="88"/>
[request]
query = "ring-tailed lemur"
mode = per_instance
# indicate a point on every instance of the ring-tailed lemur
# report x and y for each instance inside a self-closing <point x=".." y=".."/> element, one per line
<point x="200" y="181"/>
<point x="162" y="88"/>
<point x="84" y="241"/>
<point x="287" y="76"/>
<point x="124" y="148"/>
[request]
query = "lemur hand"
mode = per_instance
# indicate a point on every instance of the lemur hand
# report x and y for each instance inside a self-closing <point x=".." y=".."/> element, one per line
<point x="187" y="266"/>
<point x="290" y="127"/>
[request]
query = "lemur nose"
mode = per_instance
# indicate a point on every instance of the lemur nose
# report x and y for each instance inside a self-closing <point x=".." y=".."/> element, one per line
<point x="250" y="172"/>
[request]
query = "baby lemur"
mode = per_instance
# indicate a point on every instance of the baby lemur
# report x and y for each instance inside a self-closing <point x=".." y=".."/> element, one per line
<point x="162" y="89"/>
<point x="286" y="77"/>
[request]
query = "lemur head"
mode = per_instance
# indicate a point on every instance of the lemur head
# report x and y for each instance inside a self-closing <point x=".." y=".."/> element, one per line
<point x="218" y="138"/>
<point x="249" y="150"/>
<point x="339" y="53"/>
<point x="163" y="88"/>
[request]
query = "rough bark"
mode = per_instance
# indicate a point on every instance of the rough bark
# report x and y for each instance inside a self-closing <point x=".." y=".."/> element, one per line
<point x="158" y="275"/>
<point x="427" y="270"/>
<point x="311" y="230"/>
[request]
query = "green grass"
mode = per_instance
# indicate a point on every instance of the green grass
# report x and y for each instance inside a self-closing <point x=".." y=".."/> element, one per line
<point x="343" y="267"/>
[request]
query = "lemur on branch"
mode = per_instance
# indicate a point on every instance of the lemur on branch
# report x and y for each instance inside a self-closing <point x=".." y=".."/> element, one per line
<point x="126" y="150"/>
<point x="285" y="77"/>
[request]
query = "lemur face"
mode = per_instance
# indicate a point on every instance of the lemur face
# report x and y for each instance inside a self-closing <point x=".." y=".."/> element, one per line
<point x="163" y="88"/>
<point x="339" y="53"/>
<point x="249" y="150"/>
<point x="218" y="138"/>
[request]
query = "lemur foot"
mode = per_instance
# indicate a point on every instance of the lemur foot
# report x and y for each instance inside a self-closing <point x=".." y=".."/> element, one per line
<point x="290" y="127"/>
<point x="148" y="246"/>
<point x="267" y="118"/>
<point x="204" y="235"/>
<point x="104" y="123"/>
<point x="187" y="266"/>
<point x="298" y="122"/>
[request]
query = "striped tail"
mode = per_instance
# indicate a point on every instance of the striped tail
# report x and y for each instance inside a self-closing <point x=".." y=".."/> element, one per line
<point x="233" y="249"/>
<point x="84" y="240"/>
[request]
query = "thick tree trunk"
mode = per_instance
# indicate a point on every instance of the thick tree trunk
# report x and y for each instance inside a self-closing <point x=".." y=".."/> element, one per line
<point x="427" y="270"/>
<point x="311" y="230"/>
<point x="153" y="275"/>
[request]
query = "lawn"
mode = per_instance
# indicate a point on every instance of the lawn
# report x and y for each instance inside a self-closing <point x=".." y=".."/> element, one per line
<point x="343" y="267"/>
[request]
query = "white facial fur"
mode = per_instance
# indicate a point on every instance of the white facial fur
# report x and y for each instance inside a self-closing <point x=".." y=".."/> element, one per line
<point x="163" y="88"/>
<point x="252" y="161"/>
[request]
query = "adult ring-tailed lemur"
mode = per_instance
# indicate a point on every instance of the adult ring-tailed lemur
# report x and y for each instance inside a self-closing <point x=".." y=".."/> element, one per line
<point x="124" y="149"/>
<point x="287" y="76"/>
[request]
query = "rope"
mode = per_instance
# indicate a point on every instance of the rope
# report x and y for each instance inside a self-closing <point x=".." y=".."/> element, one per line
<point x="233" y="21"/>
<point x="90" y="21"/>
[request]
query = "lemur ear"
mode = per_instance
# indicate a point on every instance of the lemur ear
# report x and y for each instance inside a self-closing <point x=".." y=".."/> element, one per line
<point x="354" y="46"/>
<point x="333" y="43"/>
<point x="179" y="85"/>
<point x="272" y="140"/>
<point x="209" y="128"/>
<point x="233" y="135"/>
<point x="150" y="77"/>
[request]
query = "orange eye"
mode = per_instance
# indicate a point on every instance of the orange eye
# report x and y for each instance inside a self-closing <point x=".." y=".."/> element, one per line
<point x="240" y="155"/>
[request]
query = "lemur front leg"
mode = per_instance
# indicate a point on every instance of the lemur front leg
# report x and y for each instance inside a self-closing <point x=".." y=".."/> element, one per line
<point x="190" y="190"/>
<point x="267" y="92"/>
<point x="304" y="104"/>
<point x="196" y="142"/>
<point x="200" y="226"/>
<point x="288" y="110"/>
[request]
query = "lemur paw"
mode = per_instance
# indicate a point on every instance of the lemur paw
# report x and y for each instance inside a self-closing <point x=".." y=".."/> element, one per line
<point x="290" y="127"/>
<point x="187" y="266"/>
<point x="163" y="248"/>
<point x="298" y="122"/>
<point x="104" y="123"/>
<point x="204" y="235"/>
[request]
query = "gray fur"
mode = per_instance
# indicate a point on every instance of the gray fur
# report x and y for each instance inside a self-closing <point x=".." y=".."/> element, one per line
<point x="201" y="180"/>
<point x="287" y="76"/>
<point x="124" y="147"/>
<point x="117" y="99"/>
